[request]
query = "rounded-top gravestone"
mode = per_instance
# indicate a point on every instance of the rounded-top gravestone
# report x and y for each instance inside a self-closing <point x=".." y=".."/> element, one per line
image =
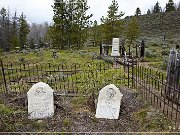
<point x="109" y="102"/>
<point x="40" y="101"/>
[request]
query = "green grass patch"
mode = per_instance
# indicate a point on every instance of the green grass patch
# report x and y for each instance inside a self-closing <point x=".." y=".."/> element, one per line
<point x="152" y="121"/>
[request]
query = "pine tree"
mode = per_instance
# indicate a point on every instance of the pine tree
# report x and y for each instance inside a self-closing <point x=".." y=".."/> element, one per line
<point x="96" y="35"/>
<point x="14" y="39"/>
<point x="82" y="22"/>
<point x="3" y="13"/>
<point x="4" y="44"/>
<point x="133" y="30"/>
<point x="157" y="8"/>
<point x="23" y="31"/>
<point x="8" y="31"/>
<point x="70" y="23"/>
<point x="60" y="24"/>
<point x="112" y="25"/>
<point x="138" y="11"/>
<point x="170" y="6"/>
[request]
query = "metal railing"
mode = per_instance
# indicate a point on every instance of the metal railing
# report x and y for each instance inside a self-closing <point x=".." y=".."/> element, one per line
<point x="91" y="77"/>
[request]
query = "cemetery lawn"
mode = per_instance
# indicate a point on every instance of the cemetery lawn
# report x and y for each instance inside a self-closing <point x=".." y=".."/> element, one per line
<point x="41" y="56"/>
<point x="76" y="114"/>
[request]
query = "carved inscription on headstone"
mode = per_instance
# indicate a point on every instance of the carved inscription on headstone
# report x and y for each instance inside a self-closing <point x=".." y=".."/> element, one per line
<point x="109" y="102"/>
<point x="40" y="101"/>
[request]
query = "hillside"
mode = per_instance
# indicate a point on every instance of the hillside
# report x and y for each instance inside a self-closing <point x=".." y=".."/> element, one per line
<point x="154" y="26"/>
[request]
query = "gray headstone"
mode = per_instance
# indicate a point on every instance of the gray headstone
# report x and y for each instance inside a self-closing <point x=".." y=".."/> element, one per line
<point x="40" y="101"/>
<point x="109" y="102"/>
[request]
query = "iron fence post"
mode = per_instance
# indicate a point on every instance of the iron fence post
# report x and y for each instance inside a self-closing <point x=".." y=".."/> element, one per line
<point x="132" y="72"/>
<point x="128" y="74"/>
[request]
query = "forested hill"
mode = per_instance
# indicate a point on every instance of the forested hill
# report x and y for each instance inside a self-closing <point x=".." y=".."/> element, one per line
<point x="159" y="24"/>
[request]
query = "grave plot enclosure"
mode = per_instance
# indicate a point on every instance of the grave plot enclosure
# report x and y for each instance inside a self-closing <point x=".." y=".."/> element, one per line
<point x="90" y="78"/>
<point x="64" y="79"/>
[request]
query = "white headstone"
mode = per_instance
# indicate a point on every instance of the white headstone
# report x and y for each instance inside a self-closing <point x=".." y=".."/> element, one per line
<point x="115" y="47"/>
<point x="40" y="101"/>
<point x="109" y="102"/>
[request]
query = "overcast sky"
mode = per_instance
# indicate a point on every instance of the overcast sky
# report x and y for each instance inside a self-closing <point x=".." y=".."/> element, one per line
<point x="39" y="11"/>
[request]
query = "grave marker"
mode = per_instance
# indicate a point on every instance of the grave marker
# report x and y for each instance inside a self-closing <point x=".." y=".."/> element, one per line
<point x="40" y="101"/>
<point x="109" y="102"/>
<point x="115" y="47"/>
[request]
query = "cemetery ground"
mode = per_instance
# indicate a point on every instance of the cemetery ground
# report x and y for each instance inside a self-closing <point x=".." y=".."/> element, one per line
<point x="77" y="113"/>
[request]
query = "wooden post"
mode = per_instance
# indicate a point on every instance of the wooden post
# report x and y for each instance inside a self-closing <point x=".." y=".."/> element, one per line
<point x="3" y="75"/>
<point x="171" y="67"/>
<point x="177" y="71"/>
<point x="173" y="75"/>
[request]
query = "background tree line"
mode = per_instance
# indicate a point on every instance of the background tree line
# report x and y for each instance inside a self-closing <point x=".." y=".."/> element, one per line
<point x="72" y="26"/>
<point x="16" y="33"/>
<point x="13" y="31"/>
<point x="170" y="6"/>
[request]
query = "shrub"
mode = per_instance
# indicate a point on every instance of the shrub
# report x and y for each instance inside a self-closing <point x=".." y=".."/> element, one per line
<point x="150" y="53"/>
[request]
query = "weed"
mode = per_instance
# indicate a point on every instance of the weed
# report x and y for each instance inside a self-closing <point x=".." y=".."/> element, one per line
<point x="67" y="122"/>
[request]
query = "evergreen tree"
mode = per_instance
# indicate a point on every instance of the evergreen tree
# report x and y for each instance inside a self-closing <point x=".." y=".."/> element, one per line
<point x="96" y="34"/>
<point x="157" y="8"/>
<point x="138" y="11"/>
<point x="58" y="29"/>
<point x="4" y="31"/>
<point x="170" y="6"/>
<point x="112" y="26"/>
<point x="70" y="23"/>
<point x="14" y="39"/>
<point x="8" y="32"/>
<point x="133" y="30"/>
<point x="82" y="22"/>
<point x="23" y="31"/>
<point x="3" y="13"/>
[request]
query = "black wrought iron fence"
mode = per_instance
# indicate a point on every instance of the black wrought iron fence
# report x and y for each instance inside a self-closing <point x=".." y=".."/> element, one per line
<point x="85" y="78"/>
<point x="62" y="78"/>
<point x="155" y="89"/>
